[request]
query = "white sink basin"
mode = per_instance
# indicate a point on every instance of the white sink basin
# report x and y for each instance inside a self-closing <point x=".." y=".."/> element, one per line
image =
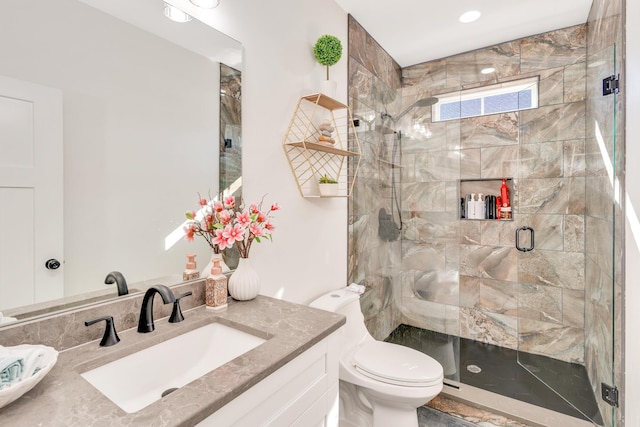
<point x="138" y="380"/>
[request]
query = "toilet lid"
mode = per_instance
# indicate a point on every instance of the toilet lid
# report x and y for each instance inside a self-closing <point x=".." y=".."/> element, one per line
<point x="396" y="364"/>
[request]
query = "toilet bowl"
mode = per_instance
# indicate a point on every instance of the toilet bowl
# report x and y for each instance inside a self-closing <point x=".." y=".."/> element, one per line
<point x="381" y="384"/>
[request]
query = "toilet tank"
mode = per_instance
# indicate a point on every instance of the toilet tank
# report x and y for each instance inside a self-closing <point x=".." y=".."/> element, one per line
<point x="347" y="303"/>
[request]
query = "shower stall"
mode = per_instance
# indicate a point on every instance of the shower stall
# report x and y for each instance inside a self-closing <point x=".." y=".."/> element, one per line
<point x="523" y="305"/>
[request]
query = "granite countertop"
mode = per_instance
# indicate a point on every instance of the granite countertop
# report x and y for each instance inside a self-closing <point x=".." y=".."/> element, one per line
<point x="64" y="398"/>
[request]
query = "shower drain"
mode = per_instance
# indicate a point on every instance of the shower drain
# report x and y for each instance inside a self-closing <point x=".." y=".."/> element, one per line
<point x="474" y="369"/>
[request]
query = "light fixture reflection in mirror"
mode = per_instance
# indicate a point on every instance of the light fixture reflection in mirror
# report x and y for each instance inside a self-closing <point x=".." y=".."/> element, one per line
<point x="140" y="141"/>
<point x="206" y="4"/>
<point x="175" y="14"/>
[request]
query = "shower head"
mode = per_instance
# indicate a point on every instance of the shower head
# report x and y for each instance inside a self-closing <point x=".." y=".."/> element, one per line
<point x="424" y="102"/>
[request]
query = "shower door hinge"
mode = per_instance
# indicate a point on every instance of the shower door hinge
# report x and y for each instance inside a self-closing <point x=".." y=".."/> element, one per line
<point x="610" y="394"/>
<point x="610" y="85"/>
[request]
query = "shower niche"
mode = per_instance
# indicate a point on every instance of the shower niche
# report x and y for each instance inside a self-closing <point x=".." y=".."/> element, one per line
<point x="479" y="199"/>
<point x="322" y="146"/>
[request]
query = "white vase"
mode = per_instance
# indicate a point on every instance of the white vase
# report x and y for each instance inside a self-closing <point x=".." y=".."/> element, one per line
<point x="244" y="283"/>
<point x="207" y="270"/>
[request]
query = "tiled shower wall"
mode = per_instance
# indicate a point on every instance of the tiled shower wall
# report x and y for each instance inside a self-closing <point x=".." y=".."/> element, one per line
<point x="604" y="218"/>
<point x="465" y="277"/>
<point x="374" y="83"/>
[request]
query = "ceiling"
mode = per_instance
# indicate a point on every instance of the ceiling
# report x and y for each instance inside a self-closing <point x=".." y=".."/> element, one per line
<point x="415" y="31"/>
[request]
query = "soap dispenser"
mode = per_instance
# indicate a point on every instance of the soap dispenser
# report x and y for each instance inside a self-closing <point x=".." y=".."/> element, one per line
<point x="216" y="287"/>
<point x="190" y="271"/>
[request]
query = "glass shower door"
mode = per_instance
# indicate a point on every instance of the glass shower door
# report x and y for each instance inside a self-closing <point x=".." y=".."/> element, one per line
<point x="566" y="300"/>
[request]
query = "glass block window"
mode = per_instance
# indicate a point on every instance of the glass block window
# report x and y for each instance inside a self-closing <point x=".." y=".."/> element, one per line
<point x="500" y="98"/>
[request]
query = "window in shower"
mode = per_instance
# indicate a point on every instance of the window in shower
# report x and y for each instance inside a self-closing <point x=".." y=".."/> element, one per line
<point x="499" y="98"/>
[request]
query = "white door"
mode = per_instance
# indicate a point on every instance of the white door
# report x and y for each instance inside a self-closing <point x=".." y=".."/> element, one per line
<point x="31" y="223"/>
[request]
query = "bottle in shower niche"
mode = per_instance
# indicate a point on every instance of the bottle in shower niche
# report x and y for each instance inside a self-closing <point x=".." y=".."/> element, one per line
<point x="216" y="287"/>
<point x="504" y="194"/>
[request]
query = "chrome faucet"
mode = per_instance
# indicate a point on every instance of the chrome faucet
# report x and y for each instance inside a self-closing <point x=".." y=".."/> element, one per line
<point x="117" y="278"/>
<point x="145" y="324"/>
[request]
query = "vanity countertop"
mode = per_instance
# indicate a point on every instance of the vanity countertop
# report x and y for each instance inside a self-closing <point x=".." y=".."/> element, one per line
<point x="64" y="398"/>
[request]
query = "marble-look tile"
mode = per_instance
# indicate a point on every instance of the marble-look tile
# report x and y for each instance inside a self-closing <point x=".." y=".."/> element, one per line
<point x="490" y="262"/>
<point x="600" y="192"/>
<point x="541" y="160"/>
<point x="418" y="256"/>
<point x="599" y="242"/>
<point x="554" y="49"/>
<point x="470" y="233"/>
<point x="438" y="166"/>
<point x="470" y="163"/>
<point x="424" y="196"/>
<point x="499" y="161"/>
<point x="574" y="158"/>
<point x="431" y="227"/>
<point x="364" y="49"/>
<point x="552" y="268"/>
<point x="539" y="302"/>
<point x="573" y="308"/>
<point x="548" y="231"/>
<point x="490" y="328"/>
<point x="437" y="286"/>
<point x="551" y="87"/>
<point x="552" y="195"/>
<point x="573" y="233"/>
<point x="360" y="85"/>
<point x="432" y="74"/>
<point x="553" y="123"/>
<point x="496" y="129"/>
<point x="550" y="339"/>
<point x="472" y="414"/>
<point x="494" y="296"/>
<point x="465" y="68"/>
<point x="425" y="314"/>
<point x="575" y="82"/>
<point x="498" y="233"/>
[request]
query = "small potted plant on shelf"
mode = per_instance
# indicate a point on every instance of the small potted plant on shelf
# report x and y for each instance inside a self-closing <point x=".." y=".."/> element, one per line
<point x="328" y="186"/>
<point x="328" y="51"/>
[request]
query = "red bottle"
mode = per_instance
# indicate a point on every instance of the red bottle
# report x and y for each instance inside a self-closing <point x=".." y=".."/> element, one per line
<point x="504" y="193"/>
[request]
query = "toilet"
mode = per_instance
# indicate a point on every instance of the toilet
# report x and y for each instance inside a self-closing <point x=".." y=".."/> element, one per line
<point x="381" y="384"/>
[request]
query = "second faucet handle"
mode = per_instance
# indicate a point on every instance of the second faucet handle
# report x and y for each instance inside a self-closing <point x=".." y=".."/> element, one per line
<point x="176" y="314"/>
<point x="110" y="336"/>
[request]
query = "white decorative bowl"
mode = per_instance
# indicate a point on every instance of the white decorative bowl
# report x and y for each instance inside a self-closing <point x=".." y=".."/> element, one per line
<point x="13" y="392"/>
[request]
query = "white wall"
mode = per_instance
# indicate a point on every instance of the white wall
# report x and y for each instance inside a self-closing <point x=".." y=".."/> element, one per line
<point x="632" y="232"/>
<point x="309" y="253"/>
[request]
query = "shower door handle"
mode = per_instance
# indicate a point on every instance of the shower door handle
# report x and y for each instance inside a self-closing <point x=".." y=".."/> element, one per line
<point x="532" y="234"/>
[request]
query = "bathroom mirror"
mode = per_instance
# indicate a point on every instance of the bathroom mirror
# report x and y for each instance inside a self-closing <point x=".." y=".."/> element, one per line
<point x="135" y="100"/>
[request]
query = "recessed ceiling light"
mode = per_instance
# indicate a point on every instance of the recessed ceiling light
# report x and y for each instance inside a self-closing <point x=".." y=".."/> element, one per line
<point x="206" y="4"/>
<point x="470" y="16"/>
<point x="487" y="70"/>
<point x="175" y="14"/>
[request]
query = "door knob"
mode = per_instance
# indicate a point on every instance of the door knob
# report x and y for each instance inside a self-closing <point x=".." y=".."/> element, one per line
<point x="52" y="264"/>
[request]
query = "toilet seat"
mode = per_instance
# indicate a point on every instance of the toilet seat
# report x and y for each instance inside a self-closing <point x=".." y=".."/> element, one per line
<point x="397" y="365"/>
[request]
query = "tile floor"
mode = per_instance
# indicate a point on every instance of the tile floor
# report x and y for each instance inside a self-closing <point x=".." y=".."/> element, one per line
<point x="496" y="369"/>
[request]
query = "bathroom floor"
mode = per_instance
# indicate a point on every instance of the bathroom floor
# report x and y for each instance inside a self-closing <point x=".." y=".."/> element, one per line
<point x="438" y="414"/>
<point x="496" y="369"/>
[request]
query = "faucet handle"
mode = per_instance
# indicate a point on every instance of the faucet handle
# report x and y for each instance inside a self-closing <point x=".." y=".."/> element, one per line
<point x="110" y="336"/>
<point x="176" y="314"/>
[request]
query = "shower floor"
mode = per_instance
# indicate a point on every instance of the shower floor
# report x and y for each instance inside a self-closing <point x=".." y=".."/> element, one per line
<point x="496" y="369"/>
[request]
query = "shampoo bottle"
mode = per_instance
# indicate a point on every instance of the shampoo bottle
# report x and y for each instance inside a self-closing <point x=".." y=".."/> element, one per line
<point x="504" y="193"/>
<point x="216" y="287"/>
<point x="190" y="271"/>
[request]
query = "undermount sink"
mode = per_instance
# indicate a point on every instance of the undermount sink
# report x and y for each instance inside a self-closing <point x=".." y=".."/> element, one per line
<point x="136" y="381"/>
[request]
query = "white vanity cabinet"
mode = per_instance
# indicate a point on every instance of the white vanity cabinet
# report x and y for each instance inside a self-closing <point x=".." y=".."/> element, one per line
<point x="304" y="393"/>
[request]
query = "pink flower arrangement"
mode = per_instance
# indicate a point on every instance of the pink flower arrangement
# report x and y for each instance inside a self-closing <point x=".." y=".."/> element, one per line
<point x="225" y="224"/>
